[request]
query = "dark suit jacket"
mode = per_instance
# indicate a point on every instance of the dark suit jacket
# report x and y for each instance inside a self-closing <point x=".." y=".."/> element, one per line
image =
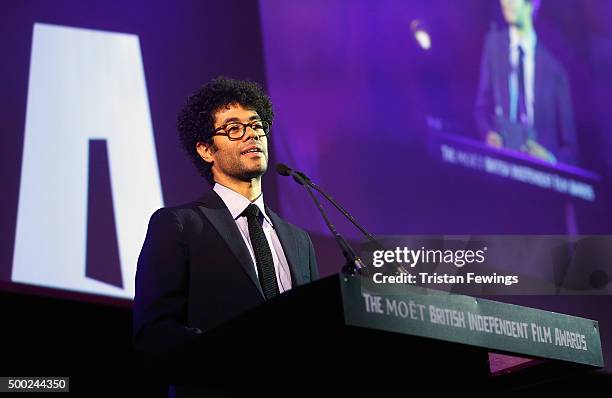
<point x="195" y="272"/>
<point x="554" y="119"/>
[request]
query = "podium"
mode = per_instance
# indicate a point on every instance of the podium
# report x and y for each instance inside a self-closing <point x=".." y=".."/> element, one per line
<point x="346" y="334"/>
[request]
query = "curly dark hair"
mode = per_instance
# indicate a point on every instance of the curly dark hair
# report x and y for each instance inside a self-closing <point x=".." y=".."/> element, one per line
<point x="196" y="119"/>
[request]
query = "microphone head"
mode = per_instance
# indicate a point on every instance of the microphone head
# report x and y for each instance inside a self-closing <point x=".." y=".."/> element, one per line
<point x="283" y="169"/>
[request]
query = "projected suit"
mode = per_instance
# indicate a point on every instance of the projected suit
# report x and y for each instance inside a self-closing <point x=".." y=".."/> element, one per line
<point x="553" y="125"/>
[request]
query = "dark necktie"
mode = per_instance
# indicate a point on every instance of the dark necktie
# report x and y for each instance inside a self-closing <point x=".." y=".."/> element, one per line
<point x="263" y="255"/>
<point x="522" y="107"/>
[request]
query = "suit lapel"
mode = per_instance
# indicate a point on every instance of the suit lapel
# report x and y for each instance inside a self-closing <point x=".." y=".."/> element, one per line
<point x="219" y="216"/>
<point x="538" y="81"/>
<point x="290" y="246"/>
<point x="504" y="70"/>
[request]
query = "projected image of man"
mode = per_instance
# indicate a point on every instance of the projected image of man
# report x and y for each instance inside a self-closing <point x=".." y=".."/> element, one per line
<point x="523" y="101"/>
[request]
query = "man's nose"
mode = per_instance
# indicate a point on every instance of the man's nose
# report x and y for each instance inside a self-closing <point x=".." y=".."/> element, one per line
<point x="251" y="133"/>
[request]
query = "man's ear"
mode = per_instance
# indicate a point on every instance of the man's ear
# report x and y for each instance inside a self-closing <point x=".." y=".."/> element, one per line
<point x="205" y="151"/>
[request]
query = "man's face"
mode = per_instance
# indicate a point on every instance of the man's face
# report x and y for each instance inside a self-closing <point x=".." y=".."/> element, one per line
<point x="235" y="159"/>
<point x="516" y="12"/>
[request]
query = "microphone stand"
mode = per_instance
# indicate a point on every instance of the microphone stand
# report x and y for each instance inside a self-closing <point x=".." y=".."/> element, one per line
<point x="354" y="264"/>
<point x="346" y="214"/>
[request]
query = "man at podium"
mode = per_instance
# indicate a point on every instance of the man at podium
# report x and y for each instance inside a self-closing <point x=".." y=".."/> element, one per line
<point x="207" y="261"/>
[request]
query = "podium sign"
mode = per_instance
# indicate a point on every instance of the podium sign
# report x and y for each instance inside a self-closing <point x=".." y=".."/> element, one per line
<point x="416" y="311"/>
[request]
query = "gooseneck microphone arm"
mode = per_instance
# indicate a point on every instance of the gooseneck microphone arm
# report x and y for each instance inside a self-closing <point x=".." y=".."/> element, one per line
<point x="302" y="179"/>
<point x="346" y="213"/>
<point x="353" y="262"/>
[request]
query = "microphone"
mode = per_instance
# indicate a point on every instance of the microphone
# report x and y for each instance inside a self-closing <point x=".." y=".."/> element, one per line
<point x="286" y="171"/>
<point x="353" y="262"/>
<point x="302" y="179"/>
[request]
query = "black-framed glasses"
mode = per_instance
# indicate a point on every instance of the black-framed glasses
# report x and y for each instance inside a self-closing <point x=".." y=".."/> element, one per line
<point x="236" y="130"/>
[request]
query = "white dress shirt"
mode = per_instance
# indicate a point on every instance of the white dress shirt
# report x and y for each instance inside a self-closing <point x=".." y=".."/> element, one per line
<point x="528" y="44"/>
<point x="236" y="203"/>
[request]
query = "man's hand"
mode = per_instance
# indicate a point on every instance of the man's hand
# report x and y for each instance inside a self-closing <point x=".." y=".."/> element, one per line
<point x="538" y="151"/>
<point x="494" y="139"/>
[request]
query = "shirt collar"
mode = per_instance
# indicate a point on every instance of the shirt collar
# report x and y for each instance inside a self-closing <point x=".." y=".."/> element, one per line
<point x="528" y="43"/>
<point x="236" y="203"/>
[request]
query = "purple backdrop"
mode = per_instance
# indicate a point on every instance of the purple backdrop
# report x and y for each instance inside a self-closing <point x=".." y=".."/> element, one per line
<point x="178" y="57"/>
<point x="353" y="89"/>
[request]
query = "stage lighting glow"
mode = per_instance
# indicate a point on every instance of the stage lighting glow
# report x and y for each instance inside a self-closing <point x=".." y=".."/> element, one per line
<point x="420" y="34"/>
